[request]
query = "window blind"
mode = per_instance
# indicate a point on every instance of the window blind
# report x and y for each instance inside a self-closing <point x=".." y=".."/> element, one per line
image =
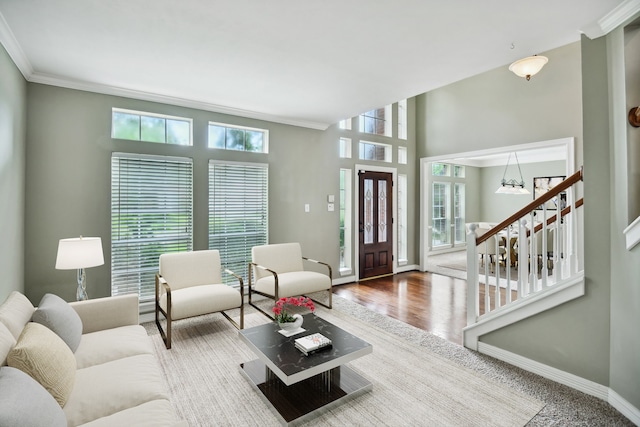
<point x="238" y="207"/>
<point x="151" y="214"/>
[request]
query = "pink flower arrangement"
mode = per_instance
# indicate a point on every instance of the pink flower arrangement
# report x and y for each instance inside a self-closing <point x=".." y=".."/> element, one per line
<point x="279" y="309"/>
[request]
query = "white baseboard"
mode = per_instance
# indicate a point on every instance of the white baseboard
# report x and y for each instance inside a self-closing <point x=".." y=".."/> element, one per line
<point x="578" y="383"/>
<point x="405" y="268"/>
<point x="625" y="408"/>
<point x="147" y="317"/>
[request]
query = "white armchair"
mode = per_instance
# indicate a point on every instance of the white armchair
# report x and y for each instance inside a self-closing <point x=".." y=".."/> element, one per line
<point x="190" y="284"/>
<point x="279" y="272"/>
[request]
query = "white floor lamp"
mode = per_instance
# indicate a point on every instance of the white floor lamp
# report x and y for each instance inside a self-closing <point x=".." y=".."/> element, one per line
<point x="80" y="253"/>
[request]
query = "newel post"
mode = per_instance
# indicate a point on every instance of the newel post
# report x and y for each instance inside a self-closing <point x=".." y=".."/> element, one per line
<point x="473" y="297"/>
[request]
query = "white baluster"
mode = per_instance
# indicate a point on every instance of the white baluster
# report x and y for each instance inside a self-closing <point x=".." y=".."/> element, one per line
<point x="523" y="256"/>
<point x="507" y="249"/>
<point x="533" y="268"/>
<point x="558" y="261"/>
<point x="497" y="260"/>
<point x="473" y="289"/>
<point x="544" y="271"/>
<point x="573" y="233"/>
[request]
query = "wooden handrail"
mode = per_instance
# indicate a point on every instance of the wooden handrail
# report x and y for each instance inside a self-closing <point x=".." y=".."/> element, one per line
<point x="551" y="220"/>
<point x="576" y="177"/>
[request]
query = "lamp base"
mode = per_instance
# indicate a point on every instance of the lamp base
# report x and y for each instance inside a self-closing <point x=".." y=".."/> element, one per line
<point x="81" y="292"/>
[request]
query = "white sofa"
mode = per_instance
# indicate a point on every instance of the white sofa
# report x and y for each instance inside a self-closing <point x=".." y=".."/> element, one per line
<point x="92" y="357"/>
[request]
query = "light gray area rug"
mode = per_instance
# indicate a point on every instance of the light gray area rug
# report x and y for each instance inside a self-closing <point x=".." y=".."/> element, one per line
<point x="411" y="384"/>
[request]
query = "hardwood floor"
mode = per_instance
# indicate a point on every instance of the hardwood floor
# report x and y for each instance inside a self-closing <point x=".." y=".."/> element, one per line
<point x="429" y="301"/>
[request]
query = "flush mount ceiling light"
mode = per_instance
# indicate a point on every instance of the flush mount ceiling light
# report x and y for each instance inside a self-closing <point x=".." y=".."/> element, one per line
<point x="529" y="66"/>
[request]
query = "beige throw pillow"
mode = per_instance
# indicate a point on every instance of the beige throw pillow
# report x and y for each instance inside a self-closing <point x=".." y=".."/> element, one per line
<point x="43" y="355"/>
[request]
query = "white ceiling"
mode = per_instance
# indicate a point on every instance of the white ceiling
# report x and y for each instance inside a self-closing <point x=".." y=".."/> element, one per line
<point x="290" y="61"/>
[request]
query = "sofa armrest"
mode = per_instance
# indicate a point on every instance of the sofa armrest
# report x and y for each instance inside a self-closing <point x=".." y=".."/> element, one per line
<point x="107" y="313"/>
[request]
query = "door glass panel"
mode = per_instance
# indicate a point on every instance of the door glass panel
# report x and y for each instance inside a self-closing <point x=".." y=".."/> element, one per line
<point x="440" y="232"/>
<point x="458" y="213"/>
<point x="368" y="211"/>
<point x="382" y="210"/>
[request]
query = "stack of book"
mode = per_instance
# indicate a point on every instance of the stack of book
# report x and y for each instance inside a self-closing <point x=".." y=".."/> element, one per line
<point x="312" y="343"/>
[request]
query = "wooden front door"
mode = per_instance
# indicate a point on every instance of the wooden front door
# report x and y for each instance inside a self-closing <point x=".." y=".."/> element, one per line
<point x="375" y="224"/>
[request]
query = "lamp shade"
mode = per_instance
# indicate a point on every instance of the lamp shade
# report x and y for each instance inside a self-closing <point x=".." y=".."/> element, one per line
<point x="528" y="66"/>
<point x="79" y="252"/>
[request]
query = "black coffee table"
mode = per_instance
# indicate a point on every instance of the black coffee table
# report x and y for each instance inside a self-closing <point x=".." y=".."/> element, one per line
<point x="296" y="386"/>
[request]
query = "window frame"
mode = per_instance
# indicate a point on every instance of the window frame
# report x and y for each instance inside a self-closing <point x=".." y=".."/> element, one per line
<point x="148" y="239"/>
<point x="236" y="211"/>
<point x="386" y="121"/>
<point x="142" y="114"/>
<point x="226" y="126"/>
<point x="346" y="221"/>
<point x="388" y="151"/>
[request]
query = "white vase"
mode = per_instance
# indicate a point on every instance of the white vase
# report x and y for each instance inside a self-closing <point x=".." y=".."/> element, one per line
<point x="292" y="326"/>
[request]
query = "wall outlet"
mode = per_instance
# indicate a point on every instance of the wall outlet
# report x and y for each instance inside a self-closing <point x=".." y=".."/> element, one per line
<point x="330" y="207"/>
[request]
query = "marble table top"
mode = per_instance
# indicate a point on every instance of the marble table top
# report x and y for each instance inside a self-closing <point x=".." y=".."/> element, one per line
<point x="290" y="364"/>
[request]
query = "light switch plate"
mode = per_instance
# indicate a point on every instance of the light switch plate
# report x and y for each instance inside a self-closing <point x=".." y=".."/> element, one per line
<point x="307" y="208"/>
<point x="330" y="207"/>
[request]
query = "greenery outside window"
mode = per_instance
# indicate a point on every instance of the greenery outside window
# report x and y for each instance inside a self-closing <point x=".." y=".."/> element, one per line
<point x="440" y="169"/>
<point x="151" y="214"/>
<point x="150" y="127"/>
<point x="440" y="214"/>
<point x="239" y="138"/>
<point x="238" y="208"/>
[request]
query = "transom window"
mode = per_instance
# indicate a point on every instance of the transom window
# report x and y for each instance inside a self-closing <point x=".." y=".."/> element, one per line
<point x="375" y="151"/>
<point x="150" y="127"/>
<point x="345" y="124"/>
<point x="377" y="122"/>
<point x="440" y="169"/>
<point x="238" y="138"/>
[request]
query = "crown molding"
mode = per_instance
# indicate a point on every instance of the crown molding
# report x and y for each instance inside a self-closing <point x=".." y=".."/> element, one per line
<point x="171" y="100"/>
<point x="612" y="20"/>
<point x="14" y="50"/>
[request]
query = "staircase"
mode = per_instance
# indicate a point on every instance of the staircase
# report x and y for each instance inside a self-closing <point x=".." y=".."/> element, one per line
<point x="533" y="267"/>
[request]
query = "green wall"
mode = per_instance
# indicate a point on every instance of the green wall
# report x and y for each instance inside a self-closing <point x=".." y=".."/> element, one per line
<point x="621" y="180"/>
<point x="68" y="181"/>
<point x="13" y="98"/>
<point x="494" y="205"/>
<point x="497" y="109"/>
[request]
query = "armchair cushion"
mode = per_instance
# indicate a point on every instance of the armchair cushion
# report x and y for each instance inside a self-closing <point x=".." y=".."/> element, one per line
<point x="281" y="258"/>
<point x="294" y="283"/>
<point x="197" y="300"/>
<point x="186" y="269"/>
